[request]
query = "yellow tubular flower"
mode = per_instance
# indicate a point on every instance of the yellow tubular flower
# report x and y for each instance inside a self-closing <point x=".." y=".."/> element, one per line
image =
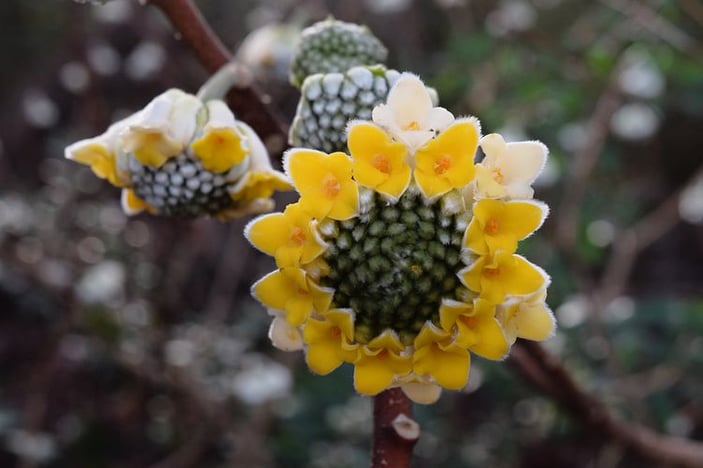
<point x="476" y="327"/>
<point x="324" y="182"/>
<point x="102" y="153"/>
<point x="290" y="290"/>
<point x="221" y="145"/>
<point x="379" y="163"/>
<point x="508" y="169"/>
<point x="329" y="341"/>
<point x="495" y="277"/>
<point x="437" y="355"/>
<point x="379" y="362"/>
<point x="291" y="237"/>
<point x="530" y="319"/>
<point x="164" y="128"/>
<point x="498" y="225"/>
<point x="447" y="162"/>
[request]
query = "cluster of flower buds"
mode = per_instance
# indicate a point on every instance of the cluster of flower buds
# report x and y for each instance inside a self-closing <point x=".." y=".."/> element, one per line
<point x="184" y="155"/>
<point x="338" y="67"/>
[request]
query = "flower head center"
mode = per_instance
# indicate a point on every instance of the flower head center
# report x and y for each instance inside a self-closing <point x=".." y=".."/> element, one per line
<point x="442" y="164"/>
<point x="330" y="186"/>
<point x="492" y="227"/>
<point x="381" y="163"/>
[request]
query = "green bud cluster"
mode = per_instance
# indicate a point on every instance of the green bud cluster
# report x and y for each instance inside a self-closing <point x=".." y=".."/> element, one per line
<point x="334" y="46"/>
<point x="182" y="186"/>
<point x="393" y="265"/>
<point x="329" y="101"/>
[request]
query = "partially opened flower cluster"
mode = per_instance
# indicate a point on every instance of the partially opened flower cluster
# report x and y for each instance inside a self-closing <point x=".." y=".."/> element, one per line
<point x="400" y="257"/>
<point x="183" y="155"/>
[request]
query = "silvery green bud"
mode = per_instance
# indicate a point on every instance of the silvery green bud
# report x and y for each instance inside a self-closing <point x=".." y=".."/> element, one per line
<point x="329" y="101"/>
<point x="334" y="46"/>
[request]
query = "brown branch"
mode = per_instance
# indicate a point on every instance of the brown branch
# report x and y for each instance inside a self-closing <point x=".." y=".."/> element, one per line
<point x="248" y="102"/>
<point x="585" y="162"/>
<point x="394" y="433"/>
<point x="642" y="440"/>
<point x="635" y="239"/>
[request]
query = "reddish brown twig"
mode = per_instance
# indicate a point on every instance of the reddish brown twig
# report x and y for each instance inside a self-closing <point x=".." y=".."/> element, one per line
<point x="394" y="433"/>
<point x="247" y="101"/>
<point x="545" y="371"/>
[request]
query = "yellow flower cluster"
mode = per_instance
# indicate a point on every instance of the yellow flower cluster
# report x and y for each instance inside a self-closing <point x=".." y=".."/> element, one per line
<point x="185" y="156"/>
<point x="400" y="258"/>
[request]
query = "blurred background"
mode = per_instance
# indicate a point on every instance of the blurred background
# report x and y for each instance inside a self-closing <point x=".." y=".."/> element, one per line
<point x="133" y="342"/>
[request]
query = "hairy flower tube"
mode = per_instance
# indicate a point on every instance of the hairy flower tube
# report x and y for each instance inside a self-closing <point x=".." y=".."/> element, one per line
<point x="183" y="155"/>
<point x="400" y="257"/>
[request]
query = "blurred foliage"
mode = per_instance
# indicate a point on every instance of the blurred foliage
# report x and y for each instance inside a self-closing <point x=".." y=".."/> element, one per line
<point x="133" y="342"/>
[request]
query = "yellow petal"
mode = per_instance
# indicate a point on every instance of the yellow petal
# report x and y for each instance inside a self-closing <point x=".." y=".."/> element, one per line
<point x="219" y="149"/>
<point x="324" y="182"/>
<point x="98" y="157"/>
<point x="289" y="236"/>
<point x="379" y="162"/>
<point x="521" y="277"/>
<point x="447" y="161"/>
<point x="324" y="351"/>
<point x="499" y="225"/>
<point x="132" y="204"/>
<point x="491" y="342"/>
<point x="289" y="290"/>
<point x="372" y="377"/>
<point x="259" y="184"/>
<point x="448" y="365"/>
<point x="534" y="321"/>
<point x="486" y="184"/>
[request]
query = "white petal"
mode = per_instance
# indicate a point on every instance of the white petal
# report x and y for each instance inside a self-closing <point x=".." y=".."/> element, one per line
<point x="519" y="190"/>
<point x="439" y="119"/>
<point x="284" y="336"/>
<point x="183" y="118"/>
<point x="257" y="151"/>
<point x="219" y="115"/>
<point x="382" y="115"/>
<point x="523" y="161"/>
<point x="423" y="393"/>
<point x="493" y="147"/>
<point x="409" y="100"/>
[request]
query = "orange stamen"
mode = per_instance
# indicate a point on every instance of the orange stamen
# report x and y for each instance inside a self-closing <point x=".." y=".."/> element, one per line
<point x="330" y="186"/>
<point x="498" y="175"/>
<point x="297" y="235"/>
<point x="380" y="162"/>
<point x="412" y="125"/>
<point x="491" y="271"/>
<point x="492" y="227"/>
<point x="441" y="164"/>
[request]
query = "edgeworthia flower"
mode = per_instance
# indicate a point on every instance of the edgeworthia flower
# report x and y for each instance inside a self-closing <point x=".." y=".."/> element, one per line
<point x="391" y="262"/>
<point x="184" y="155"/>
